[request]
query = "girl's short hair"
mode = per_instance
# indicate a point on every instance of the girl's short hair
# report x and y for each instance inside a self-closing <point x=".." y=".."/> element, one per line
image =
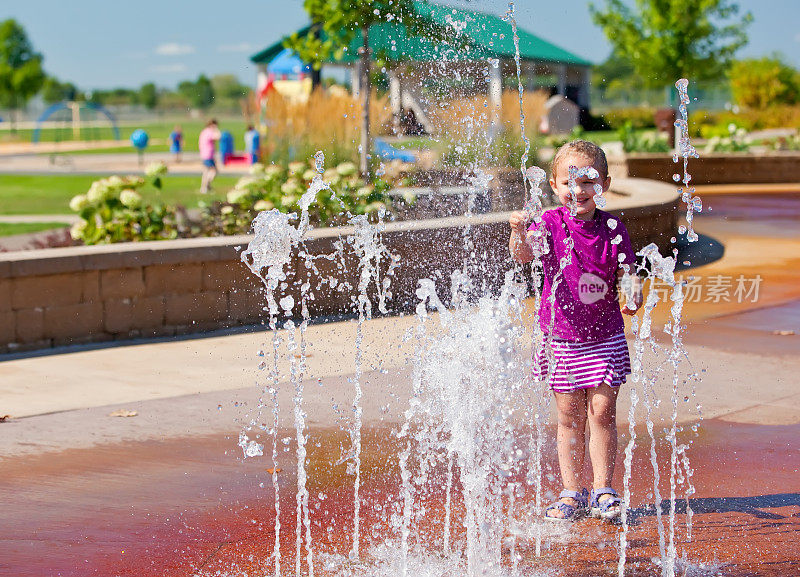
<point x="584" y="148"/>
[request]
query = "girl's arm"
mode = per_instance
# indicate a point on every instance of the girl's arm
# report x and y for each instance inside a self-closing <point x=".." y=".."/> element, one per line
<point x="631" y="286"/>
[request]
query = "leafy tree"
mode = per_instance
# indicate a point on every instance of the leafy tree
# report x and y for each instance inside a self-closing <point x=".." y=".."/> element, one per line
<point x="199" y="93"/>
<point x="54" y="91"/>
<point x="665" y="40"/>
<point x="761" y="82"/>
<point x="113" y="97"/>
<point x="148" y="95"/>
<point x="616" y="78"/>
<point x="228" y="87"/>
<point x="21" y="74"/>
<point x="342" y="21"/>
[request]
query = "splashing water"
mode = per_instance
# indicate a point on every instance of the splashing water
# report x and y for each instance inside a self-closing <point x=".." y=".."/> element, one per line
<point x="686" y="151"/>
<point x="455" y="422"/>
<point x="371" y="252"/>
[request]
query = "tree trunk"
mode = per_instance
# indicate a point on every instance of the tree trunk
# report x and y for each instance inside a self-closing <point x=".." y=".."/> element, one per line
<point x="365" y="87"/>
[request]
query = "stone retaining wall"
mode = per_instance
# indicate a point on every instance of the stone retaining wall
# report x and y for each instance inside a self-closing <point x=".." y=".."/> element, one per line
<point x="65" y="296"/>
<point x="734" y="168"/>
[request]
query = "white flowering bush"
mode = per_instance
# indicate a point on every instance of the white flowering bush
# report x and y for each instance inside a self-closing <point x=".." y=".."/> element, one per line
<point x="791" y="142"/>
<point x="281" y="187"/>
<point x="113" y="210"/>
<point x="736" y="141"/>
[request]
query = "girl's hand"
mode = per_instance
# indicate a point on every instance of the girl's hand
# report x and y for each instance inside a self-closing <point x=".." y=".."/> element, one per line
<point x="519" y="222"/>
<point x="632" y="286"/>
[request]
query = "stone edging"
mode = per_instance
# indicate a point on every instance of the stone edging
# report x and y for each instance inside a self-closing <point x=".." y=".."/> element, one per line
<point x="61" y="296"/>
<point x="731" y="168"/>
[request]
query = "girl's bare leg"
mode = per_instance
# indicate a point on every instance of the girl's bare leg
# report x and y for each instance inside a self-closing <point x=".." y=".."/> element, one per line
<point x="602" y="409"/>
<point x="571" y="439"/>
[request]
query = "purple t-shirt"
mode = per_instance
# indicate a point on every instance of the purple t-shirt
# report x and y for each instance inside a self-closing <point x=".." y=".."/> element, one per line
<point x="586" y="304"/>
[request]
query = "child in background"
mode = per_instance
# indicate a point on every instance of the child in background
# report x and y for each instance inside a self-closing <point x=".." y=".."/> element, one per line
<point x="207" y="144"/>
<point x="583" y="324"/>
<point x="252" y="143"/>
<point x="176" y="143"/>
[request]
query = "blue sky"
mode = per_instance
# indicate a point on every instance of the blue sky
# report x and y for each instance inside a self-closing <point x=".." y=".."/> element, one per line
<point x="104" y="44"/>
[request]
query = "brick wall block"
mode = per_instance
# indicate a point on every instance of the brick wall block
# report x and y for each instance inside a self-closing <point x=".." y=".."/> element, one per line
<point x="186" y="309"/>
<point x="122" y="283"/>
<point x="169" y="279"/>
<point x="77" y="320"/>
<point x="91" y="286"/>
<point x="247" y="305"/>
<point x="5" y="295"/>
<point x="29" y="325"/>
<point x="118" y="315"/>
<point x="7" y="330"/>
<point x="125" y="315"/>
<point x="222" y="275"/>
<point x="47" y="290"/>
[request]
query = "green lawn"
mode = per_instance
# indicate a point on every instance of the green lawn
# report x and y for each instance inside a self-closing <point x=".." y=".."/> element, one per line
<point x="157" y="131"/>
<point x="12" y="228"/>
<point x="50" y="194"/>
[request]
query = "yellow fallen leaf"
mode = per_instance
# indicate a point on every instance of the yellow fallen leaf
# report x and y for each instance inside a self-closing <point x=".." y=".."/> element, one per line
<point x="123" y="413"/>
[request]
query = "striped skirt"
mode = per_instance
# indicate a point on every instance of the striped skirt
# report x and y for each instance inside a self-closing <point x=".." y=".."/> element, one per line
<point x="584" y="365"/>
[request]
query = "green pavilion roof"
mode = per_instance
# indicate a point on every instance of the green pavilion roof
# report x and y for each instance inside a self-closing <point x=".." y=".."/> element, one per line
<point x="484" y="36"/>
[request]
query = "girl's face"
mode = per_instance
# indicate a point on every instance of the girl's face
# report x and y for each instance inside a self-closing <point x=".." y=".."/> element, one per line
<point x="584" y="186"/>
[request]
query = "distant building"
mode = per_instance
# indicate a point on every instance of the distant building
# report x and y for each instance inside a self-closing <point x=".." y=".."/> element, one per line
<point x="478" y="56"/>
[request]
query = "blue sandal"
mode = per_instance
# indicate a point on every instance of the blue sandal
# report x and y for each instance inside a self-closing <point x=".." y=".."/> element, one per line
<point x="607" y="509"/>
<point x="569" y="512"/>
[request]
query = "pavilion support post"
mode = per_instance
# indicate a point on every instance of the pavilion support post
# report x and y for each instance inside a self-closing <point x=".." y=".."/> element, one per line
<point x="262" y="77"/>
<point x="364" y="53"/>
<point x="562" y="80"/>
<point x="583" y="92"/>
<point x="495" y="95"/>
<point x="355" y="79"/>
<point x="530" y="76"/>
<point x="396" y="100"/>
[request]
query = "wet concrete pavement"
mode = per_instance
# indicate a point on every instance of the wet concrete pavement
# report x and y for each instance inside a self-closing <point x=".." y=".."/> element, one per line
<point x="166" y="492"/>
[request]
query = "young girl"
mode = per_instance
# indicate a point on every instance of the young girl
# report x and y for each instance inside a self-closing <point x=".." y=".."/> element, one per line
<point x="585" y="354"/>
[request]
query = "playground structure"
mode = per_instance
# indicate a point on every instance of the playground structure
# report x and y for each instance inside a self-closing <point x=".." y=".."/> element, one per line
<point x="75" y="121"/>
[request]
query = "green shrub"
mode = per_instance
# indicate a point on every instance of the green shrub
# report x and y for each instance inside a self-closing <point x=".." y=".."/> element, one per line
<point x="707" y="124"/>
<point x="650" y="141"/>
<point x="638" y="117"/>
<point x="762" y="82"/>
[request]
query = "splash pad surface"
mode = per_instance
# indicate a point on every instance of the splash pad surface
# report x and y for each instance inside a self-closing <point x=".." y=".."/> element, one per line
<point x="190" y="506"/>
<point x="446" y="492"/>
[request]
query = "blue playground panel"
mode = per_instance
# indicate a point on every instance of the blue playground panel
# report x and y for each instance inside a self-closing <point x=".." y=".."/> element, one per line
<point x="388" y="152"/>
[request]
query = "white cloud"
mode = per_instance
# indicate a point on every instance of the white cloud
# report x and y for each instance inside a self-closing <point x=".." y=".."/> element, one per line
<point x="241" y="47"/>
<point x="169" y="68"/>
<point x="797" y="37"/>
<point x="174" y="49"/>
